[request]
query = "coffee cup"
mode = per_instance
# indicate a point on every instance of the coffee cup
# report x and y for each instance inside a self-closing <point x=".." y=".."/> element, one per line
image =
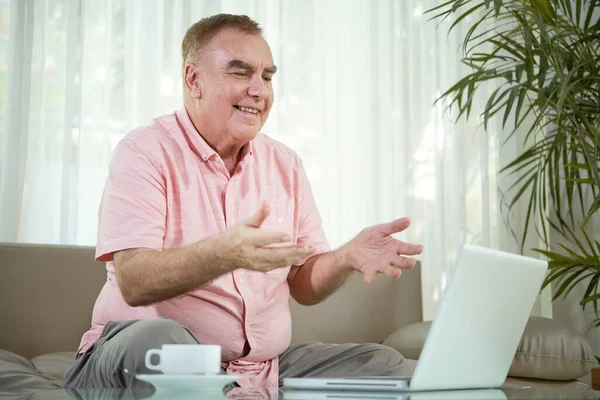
<point x="186" y="359"/>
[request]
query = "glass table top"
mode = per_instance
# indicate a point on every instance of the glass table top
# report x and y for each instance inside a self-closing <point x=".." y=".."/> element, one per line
<point x="505" y="393"/>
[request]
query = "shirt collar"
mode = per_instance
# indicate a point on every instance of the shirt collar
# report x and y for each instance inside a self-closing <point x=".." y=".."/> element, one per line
<point x="196" y="141"/>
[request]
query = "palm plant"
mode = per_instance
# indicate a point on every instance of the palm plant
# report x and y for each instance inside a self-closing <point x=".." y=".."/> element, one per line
<point x="544" y="58"/>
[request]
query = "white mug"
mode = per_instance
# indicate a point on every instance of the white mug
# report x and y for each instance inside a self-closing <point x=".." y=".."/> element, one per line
<point x="186" y="359"/>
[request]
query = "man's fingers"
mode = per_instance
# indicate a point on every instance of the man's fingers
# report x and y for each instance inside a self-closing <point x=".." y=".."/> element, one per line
<point x="410" y="249"/>
<point x="391" y="272"/>
<point x="395" y="226"/>
<point x="369" y="276"/>
<point x="284" y="255"/>
<point x="257" y="219"/>
<point x="262" y="238"/>
<point x="403" y="262"/>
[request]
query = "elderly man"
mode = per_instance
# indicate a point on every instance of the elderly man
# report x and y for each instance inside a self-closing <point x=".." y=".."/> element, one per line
<point x="208" y="226"/>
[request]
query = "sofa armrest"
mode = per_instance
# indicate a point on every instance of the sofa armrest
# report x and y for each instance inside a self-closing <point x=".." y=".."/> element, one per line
<point x="48" y="293"/>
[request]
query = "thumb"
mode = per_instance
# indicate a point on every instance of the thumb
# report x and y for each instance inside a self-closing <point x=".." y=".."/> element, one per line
<point x="257" y="219"/>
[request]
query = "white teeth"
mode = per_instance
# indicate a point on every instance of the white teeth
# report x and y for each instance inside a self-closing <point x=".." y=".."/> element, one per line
<point x="250" y="110"/>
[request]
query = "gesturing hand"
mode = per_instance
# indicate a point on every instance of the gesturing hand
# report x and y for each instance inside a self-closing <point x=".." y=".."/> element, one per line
<point x="375" y="251"/>
<point x="245" y="245"/>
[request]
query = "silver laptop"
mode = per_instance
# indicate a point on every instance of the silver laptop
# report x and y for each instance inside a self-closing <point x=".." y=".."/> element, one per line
<point x="475" y="331"/>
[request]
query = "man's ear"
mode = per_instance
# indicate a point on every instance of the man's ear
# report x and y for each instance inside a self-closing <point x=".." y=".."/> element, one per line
<point x="191" y="78"/>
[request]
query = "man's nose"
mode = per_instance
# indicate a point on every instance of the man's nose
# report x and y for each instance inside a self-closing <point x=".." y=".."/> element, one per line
<point x="257" y="87"/>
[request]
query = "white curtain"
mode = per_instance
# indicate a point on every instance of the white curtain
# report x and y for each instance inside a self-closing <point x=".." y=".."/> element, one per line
<point x="355" y="96"/>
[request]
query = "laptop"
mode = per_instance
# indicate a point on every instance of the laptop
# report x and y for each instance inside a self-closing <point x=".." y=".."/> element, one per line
<point x="475" y="332"/>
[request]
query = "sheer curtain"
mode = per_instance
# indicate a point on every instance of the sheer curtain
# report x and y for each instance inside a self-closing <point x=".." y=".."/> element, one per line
<point x="355" y="97"/>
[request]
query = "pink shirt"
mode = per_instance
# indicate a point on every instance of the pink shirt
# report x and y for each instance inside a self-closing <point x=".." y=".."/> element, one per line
<point x="167" y="188"/>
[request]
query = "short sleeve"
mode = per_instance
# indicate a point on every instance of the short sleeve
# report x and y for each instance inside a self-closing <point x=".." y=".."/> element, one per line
<point x="310" y="227"/>
<point x="132" y="212"/>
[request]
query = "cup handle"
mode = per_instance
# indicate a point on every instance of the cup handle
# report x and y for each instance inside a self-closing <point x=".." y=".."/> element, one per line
<point x="149" y="355"/>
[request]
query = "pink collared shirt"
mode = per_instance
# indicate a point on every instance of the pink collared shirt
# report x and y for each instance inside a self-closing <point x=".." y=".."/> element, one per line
<point x="167" y="188"/>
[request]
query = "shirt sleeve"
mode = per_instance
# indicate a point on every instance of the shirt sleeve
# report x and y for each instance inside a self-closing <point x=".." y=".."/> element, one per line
<point x="310" y="227"/>
<point x="132" y="212"/>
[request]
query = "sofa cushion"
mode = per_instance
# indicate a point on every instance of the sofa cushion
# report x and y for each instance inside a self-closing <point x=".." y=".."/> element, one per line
<point x="53" y="366"/>
<point x="409" y="340"/>
<point x="548" y="349"/>
<point x="551" y="350"/>
<point x="18" y="374"/>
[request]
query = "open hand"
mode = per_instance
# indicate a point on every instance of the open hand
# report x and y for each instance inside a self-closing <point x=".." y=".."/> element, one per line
<point x="375" y="251"/>
<point x="245" y="245"/>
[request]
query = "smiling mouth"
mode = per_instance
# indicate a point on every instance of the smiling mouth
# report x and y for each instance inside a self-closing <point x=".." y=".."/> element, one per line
<point x="248" y="110"/>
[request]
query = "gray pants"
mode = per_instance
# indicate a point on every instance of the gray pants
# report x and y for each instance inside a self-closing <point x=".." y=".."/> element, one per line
<point x="118" y="355"/>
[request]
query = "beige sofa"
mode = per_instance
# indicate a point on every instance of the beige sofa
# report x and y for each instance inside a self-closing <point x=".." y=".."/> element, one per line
<point x="48" y="293"/>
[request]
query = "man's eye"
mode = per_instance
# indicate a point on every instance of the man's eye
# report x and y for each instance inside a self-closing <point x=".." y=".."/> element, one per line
<point x="240" y="73"/>
<point x="268" y="79"/>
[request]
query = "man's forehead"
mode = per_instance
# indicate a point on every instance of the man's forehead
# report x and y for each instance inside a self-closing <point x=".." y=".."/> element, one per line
<point x="230" y="45"/>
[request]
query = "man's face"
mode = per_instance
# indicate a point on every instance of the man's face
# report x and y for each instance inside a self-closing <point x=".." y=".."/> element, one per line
<point x="235" y="72"/>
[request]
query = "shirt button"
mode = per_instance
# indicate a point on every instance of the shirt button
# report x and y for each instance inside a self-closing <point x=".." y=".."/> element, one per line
<point x="244" y="161"/>
<point x="203" y="155"/>
<point x="279" y="220"/>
